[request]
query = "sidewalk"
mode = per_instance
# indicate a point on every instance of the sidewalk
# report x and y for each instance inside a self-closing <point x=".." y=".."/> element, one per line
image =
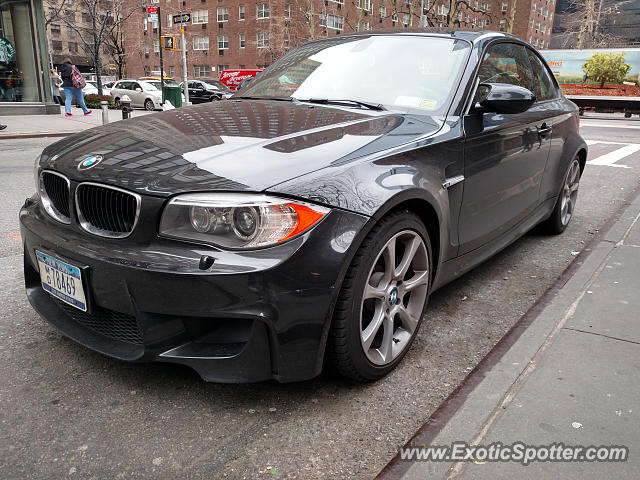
<point x="571" y="377"/>
<point x="34" y="126"/>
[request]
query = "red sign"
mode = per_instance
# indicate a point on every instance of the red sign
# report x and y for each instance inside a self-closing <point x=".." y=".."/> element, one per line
<point x="152" y="10"/>
<point x="234" y="77"/>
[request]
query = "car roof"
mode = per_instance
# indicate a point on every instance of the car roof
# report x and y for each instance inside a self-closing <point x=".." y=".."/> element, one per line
<point x="472" y="36"/>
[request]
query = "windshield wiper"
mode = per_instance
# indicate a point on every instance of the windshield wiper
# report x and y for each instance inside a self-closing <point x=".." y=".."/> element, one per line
<point x="331" y="101"/>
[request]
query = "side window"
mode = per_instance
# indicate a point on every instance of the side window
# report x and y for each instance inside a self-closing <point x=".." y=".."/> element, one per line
<point x="544" y="86"/>
<point x="191" y="85"/>
<point x="125" y="85"/>
<point x="505" y="63"/>
<point x="134" y="85"/>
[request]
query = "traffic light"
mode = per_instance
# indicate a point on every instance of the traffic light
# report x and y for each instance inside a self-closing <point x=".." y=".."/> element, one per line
<point x="169" y="42"/>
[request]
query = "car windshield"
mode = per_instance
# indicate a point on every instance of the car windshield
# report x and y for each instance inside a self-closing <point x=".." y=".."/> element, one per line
<point x="400" y="72"/>
<point x="215" y="85"/>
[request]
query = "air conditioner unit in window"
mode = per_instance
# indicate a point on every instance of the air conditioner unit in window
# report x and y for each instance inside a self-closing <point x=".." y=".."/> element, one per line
<point x="205" y="52"/>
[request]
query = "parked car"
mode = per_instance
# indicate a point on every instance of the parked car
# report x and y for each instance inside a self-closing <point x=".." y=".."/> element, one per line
<point x="307" y="220"/>
<point x="209" y="91"/>
<point x="232" y="78"/>
<point x="143" y="94"/>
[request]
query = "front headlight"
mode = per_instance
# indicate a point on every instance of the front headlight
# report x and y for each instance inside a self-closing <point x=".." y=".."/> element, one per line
<point x="237" y="220"/>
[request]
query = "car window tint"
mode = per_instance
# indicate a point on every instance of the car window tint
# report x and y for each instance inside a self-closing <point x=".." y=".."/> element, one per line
<point x="134" y="85"/>
<point x="544" y="87"/>
<point x="191" y="85"/>
<point x="506" y="63"/>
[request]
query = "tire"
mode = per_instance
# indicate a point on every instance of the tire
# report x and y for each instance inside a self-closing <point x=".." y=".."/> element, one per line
<point x="148" y="105"/>
<point x="627" y="115"/>
<point x="566" y="202"/>
<point x="373" y="327"/>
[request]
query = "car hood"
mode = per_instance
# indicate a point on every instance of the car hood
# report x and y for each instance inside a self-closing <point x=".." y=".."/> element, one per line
<point x="240" y="145"/>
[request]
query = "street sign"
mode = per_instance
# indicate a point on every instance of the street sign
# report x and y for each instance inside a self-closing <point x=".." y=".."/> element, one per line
<point x="182" y="18"/>
<point x="152" y="10"/>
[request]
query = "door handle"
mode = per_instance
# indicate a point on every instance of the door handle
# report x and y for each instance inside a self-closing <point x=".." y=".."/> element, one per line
<point x="544" y="130"/>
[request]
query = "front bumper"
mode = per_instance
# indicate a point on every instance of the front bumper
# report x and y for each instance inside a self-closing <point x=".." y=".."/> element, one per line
<point x="252" y="316"/>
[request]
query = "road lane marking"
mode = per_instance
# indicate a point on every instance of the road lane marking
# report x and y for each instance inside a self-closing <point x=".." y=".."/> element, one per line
<point x="608" y="125"/>
<point x="610" y="159"/>
<point x="607" y="142"/>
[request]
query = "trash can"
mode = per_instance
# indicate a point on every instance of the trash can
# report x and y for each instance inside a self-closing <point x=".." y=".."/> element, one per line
<point x="173" y="94"/>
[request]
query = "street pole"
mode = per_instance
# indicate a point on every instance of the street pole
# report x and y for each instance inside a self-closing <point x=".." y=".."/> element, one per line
<point x="185" y="82"/>
<point x="161" y="63"/>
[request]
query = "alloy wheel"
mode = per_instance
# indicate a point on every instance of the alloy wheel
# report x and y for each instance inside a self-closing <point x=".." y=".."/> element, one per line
<point x="394" y="297"/>
<point x="570" y="192"/>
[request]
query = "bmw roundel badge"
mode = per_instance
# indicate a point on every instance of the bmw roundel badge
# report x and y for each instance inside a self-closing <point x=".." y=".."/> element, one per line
<point x="89" y="162"/>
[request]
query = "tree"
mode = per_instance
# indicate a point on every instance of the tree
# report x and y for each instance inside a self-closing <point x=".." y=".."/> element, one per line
<point x="606" y="67"/>
<point x="105" y="16"/>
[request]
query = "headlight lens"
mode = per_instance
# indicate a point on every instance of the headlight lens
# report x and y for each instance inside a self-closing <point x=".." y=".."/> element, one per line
<point x="237" y="220"/>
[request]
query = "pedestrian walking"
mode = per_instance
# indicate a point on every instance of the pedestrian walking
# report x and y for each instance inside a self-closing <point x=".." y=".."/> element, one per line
<point x="56" y="83"/>
<point x="72" y="84"/>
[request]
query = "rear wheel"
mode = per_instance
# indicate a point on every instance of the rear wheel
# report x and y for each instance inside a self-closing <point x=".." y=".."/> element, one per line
<point x="566" y="203"/>
<point x="382" y="300"/>
<point x="148" y="105"/>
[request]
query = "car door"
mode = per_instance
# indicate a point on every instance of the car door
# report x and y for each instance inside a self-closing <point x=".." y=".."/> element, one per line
<point x="196" y="90"/>
<point x="137" y="94"/>
<point x="505" y="154"/>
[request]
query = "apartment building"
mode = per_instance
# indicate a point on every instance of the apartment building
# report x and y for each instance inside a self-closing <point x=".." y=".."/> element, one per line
<point x="63" y="39"/>
<point x="248" y="34"/>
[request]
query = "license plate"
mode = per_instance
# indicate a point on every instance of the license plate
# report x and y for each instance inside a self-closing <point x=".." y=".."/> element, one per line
<point x="62" y="280"/>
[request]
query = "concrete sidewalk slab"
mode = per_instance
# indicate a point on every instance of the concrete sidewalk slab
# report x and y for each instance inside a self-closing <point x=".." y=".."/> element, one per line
<point x="578" y="361"/>
<point x="34" y="126"/>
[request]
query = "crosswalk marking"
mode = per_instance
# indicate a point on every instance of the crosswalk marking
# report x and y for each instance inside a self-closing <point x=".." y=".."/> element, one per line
<point x="610" y="159"/>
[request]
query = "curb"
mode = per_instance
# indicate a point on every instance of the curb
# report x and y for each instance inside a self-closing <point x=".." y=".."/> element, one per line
<point x="14" y="136"/>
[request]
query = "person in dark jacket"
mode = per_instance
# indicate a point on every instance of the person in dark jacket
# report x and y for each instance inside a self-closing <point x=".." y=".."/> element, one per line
<point x="70" y="91"/>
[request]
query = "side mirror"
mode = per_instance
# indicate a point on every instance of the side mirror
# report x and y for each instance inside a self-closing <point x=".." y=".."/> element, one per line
<point x="138" y="89"/>
<point x="504" y="98"/>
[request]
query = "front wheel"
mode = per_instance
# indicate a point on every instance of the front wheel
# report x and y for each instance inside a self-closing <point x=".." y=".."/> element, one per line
<point x="566" y="202"/>
<point x="382" y="300"/>
<point x="148" y="105"/>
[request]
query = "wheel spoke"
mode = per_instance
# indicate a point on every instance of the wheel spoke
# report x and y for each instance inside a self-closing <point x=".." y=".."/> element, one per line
<point x="369" y="333"/>
<point x="389" y="255"/>
<point x="574" y="187"/>
<point x="409" y="322"/>
<point x="373" y="292"/>
<point x="409" y="252"/>
<point x="386" y="348"/>
<point x="420" y="278"/>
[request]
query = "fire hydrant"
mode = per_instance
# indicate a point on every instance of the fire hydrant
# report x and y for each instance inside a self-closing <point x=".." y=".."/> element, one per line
<point x="125" y="102"/>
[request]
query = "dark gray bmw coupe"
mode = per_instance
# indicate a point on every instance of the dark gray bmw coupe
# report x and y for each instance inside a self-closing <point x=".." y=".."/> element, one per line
<point x="306" y="221"/>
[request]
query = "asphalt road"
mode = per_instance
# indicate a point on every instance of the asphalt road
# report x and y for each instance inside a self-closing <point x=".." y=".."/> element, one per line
<point x="67" y="412"/>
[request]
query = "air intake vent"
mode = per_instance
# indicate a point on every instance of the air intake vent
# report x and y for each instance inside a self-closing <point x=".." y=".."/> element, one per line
<point x="54" y="191"/>
<point x="107" y="211"/>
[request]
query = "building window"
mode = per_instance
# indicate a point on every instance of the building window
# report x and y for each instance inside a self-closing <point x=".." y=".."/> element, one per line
<point x="201" y="43"/>
<point x="262" y="40"/>
<point x="222" y="68"/>
<point x="287" y="11"/>
<point x="537" y="26"/>
<point x="382" y="12"/>
<point x="156" y="46"/>
<point x="223" y="14"/>
<point x="405" y="19"/>
<point x="242" y="40"/>
<point x="366" y="5"/>
<point x="200" y="71"/>
<point x="223" y="42"/>
<point x="56" y="45"/>
<point x="341" y="2"/>
<point x="144" y="24"/>
<point x="172" y="71"/>
<point x="331" y="21"/>
<point x="365" y="26"/>
<point x="73" y="47"/>
<point x="286" y="39"/>
<point x="71" y="32"/>
<point x="263" y="10"/>
<point x="241" y="12"/>
<point x="473" y="22"/>
<point x="394" y="17"/>
<point x="146" y="48"/>
<point x="200" y="16"/>
<point x="55" y="28"/>
<point x="504" y="6"/>
<point x="169" y="20"/>
<point x="443" y="9"/>
<point x="503" y="25"/>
